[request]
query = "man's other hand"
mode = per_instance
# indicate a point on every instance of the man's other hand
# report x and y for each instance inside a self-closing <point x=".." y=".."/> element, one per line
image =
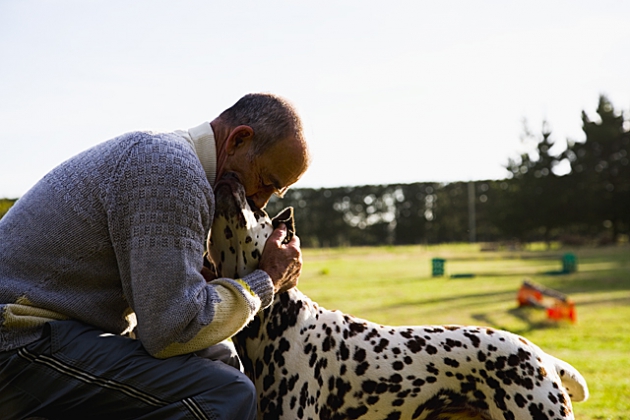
<point x="283" y="262"/>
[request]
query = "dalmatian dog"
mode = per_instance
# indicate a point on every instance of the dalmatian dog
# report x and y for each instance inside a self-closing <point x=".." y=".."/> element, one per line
<point x="311" y="363"/>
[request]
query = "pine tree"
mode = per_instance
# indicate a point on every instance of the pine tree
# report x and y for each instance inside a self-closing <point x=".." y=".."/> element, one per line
<point x="600" y="171"/>
<point x="537" y="198"/>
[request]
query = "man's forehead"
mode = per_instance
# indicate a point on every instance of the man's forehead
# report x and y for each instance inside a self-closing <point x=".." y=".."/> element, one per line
<point x="284" y="164"/>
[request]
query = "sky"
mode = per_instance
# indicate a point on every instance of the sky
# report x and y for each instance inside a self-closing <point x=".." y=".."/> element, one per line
<point x="389" y="91"/>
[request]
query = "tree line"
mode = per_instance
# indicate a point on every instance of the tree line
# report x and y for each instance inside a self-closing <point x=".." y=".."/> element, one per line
<point x="536" y="201"/>
<point x="590" y="201"/>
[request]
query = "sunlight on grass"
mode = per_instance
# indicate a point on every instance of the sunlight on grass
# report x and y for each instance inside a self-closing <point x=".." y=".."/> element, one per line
<point x="393" y="286"/>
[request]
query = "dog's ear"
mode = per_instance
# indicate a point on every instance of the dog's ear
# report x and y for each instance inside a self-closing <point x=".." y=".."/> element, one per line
<point x="209" y="264"/>
<point x="230" y="197"/>
<point x="286" y="217"/>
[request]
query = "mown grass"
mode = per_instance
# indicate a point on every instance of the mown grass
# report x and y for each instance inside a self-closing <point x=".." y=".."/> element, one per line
<point x="393" y="286"/>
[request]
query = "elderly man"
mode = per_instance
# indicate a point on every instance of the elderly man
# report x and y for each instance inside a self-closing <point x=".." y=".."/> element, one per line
<point x="120" y="229"/>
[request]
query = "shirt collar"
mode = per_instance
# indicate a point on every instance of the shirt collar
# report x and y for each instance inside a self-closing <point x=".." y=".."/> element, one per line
<point x="201" y="138"/>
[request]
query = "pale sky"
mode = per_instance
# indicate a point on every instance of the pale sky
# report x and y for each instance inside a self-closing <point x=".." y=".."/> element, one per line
<point x="389" y="91"/>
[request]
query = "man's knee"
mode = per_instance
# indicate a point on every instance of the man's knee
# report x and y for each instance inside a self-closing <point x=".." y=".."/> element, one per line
<point x="234" y="399"/>
<point x="246" y="391"/>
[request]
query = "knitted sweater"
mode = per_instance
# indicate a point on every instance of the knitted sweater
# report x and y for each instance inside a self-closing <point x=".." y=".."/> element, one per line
<point x="119" y="230"/>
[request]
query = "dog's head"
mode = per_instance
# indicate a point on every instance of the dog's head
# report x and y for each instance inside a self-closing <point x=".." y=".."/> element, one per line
<point x="240" y="229"/>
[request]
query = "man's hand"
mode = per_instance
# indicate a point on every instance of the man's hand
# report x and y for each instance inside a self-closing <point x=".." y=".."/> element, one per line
<point x="282" y="262"/>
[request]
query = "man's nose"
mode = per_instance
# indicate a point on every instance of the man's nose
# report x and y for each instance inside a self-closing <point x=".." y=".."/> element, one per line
<point x="261" y="198"/>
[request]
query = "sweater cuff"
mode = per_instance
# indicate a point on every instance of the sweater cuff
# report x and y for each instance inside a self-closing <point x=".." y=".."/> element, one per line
<point x="262" y="285"/>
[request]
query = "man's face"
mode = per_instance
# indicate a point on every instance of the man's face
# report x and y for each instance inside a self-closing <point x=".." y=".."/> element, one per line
<point x="269" y="173"/>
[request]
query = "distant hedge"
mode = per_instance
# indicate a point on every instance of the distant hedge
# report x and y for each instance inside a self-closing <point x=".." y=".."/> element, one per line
<point x="5" y="205"/>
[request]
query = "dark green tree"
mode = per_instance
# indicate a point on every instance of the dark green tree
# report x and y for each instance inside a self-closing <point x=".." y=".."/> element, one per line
<point x="600" y="172"/>
<point x="412" y="218"/>
<point x="536" y="199"/>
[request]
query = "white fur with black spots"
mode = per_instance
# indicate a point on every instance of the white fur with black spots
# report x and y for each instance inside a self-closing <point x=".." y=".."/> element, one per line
<point x="311" y="363"/>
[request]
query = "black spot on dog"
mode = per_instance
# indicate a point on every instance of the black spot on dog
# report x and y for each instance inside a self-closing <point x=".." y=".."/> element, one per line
<point x="451" y="362"/>
<point x="227" y="232"/>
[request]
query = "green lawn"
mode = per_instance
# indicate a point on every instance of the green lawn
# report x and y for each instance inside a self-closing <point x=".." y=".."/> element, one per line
<point x="393" y="286"/>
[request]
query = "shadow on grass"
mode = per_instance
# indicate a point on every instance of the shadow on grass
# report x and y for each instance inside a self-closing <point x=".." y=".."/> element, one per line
<point x="535" y="319"/>
<point x="529" y="316"/>
<point x="592" y="284"/>
<point x="607" y="302"/>
<point x="477" y="298"/>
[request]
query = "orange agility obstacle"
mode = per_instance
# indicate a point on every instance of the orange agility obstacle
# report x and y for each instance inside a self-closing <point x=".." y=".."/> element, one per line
<point x="557" y="305"/>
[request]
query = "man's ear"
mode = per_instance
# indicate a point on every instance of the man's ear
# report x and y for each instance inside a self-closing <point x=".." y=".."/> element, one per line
<point x="239" y="136"/>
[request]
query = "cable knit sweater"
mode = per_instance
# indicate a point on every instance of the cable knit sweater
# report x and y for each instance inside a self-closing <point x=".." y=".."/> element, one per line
<point x="119" y="230"/>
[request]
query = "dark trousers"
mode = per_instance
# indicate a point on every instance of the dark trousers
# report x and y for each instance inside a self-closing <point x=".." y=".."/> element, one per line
<point x="75" y="371"/>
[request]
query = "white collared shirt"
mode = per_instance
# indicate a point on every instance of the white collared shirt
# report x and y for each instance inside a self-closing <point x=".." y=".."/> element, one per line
<point x="201" y="138"/>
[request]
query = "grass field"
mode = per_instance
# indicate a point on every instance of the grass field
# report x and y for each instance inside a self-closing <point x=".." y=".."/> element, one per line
<point x="393" y="286"/>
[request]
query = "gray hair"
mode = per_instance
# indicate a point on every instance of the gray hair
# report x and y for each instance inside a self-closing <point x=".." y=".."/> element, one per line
<point x="271" y="117"/>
